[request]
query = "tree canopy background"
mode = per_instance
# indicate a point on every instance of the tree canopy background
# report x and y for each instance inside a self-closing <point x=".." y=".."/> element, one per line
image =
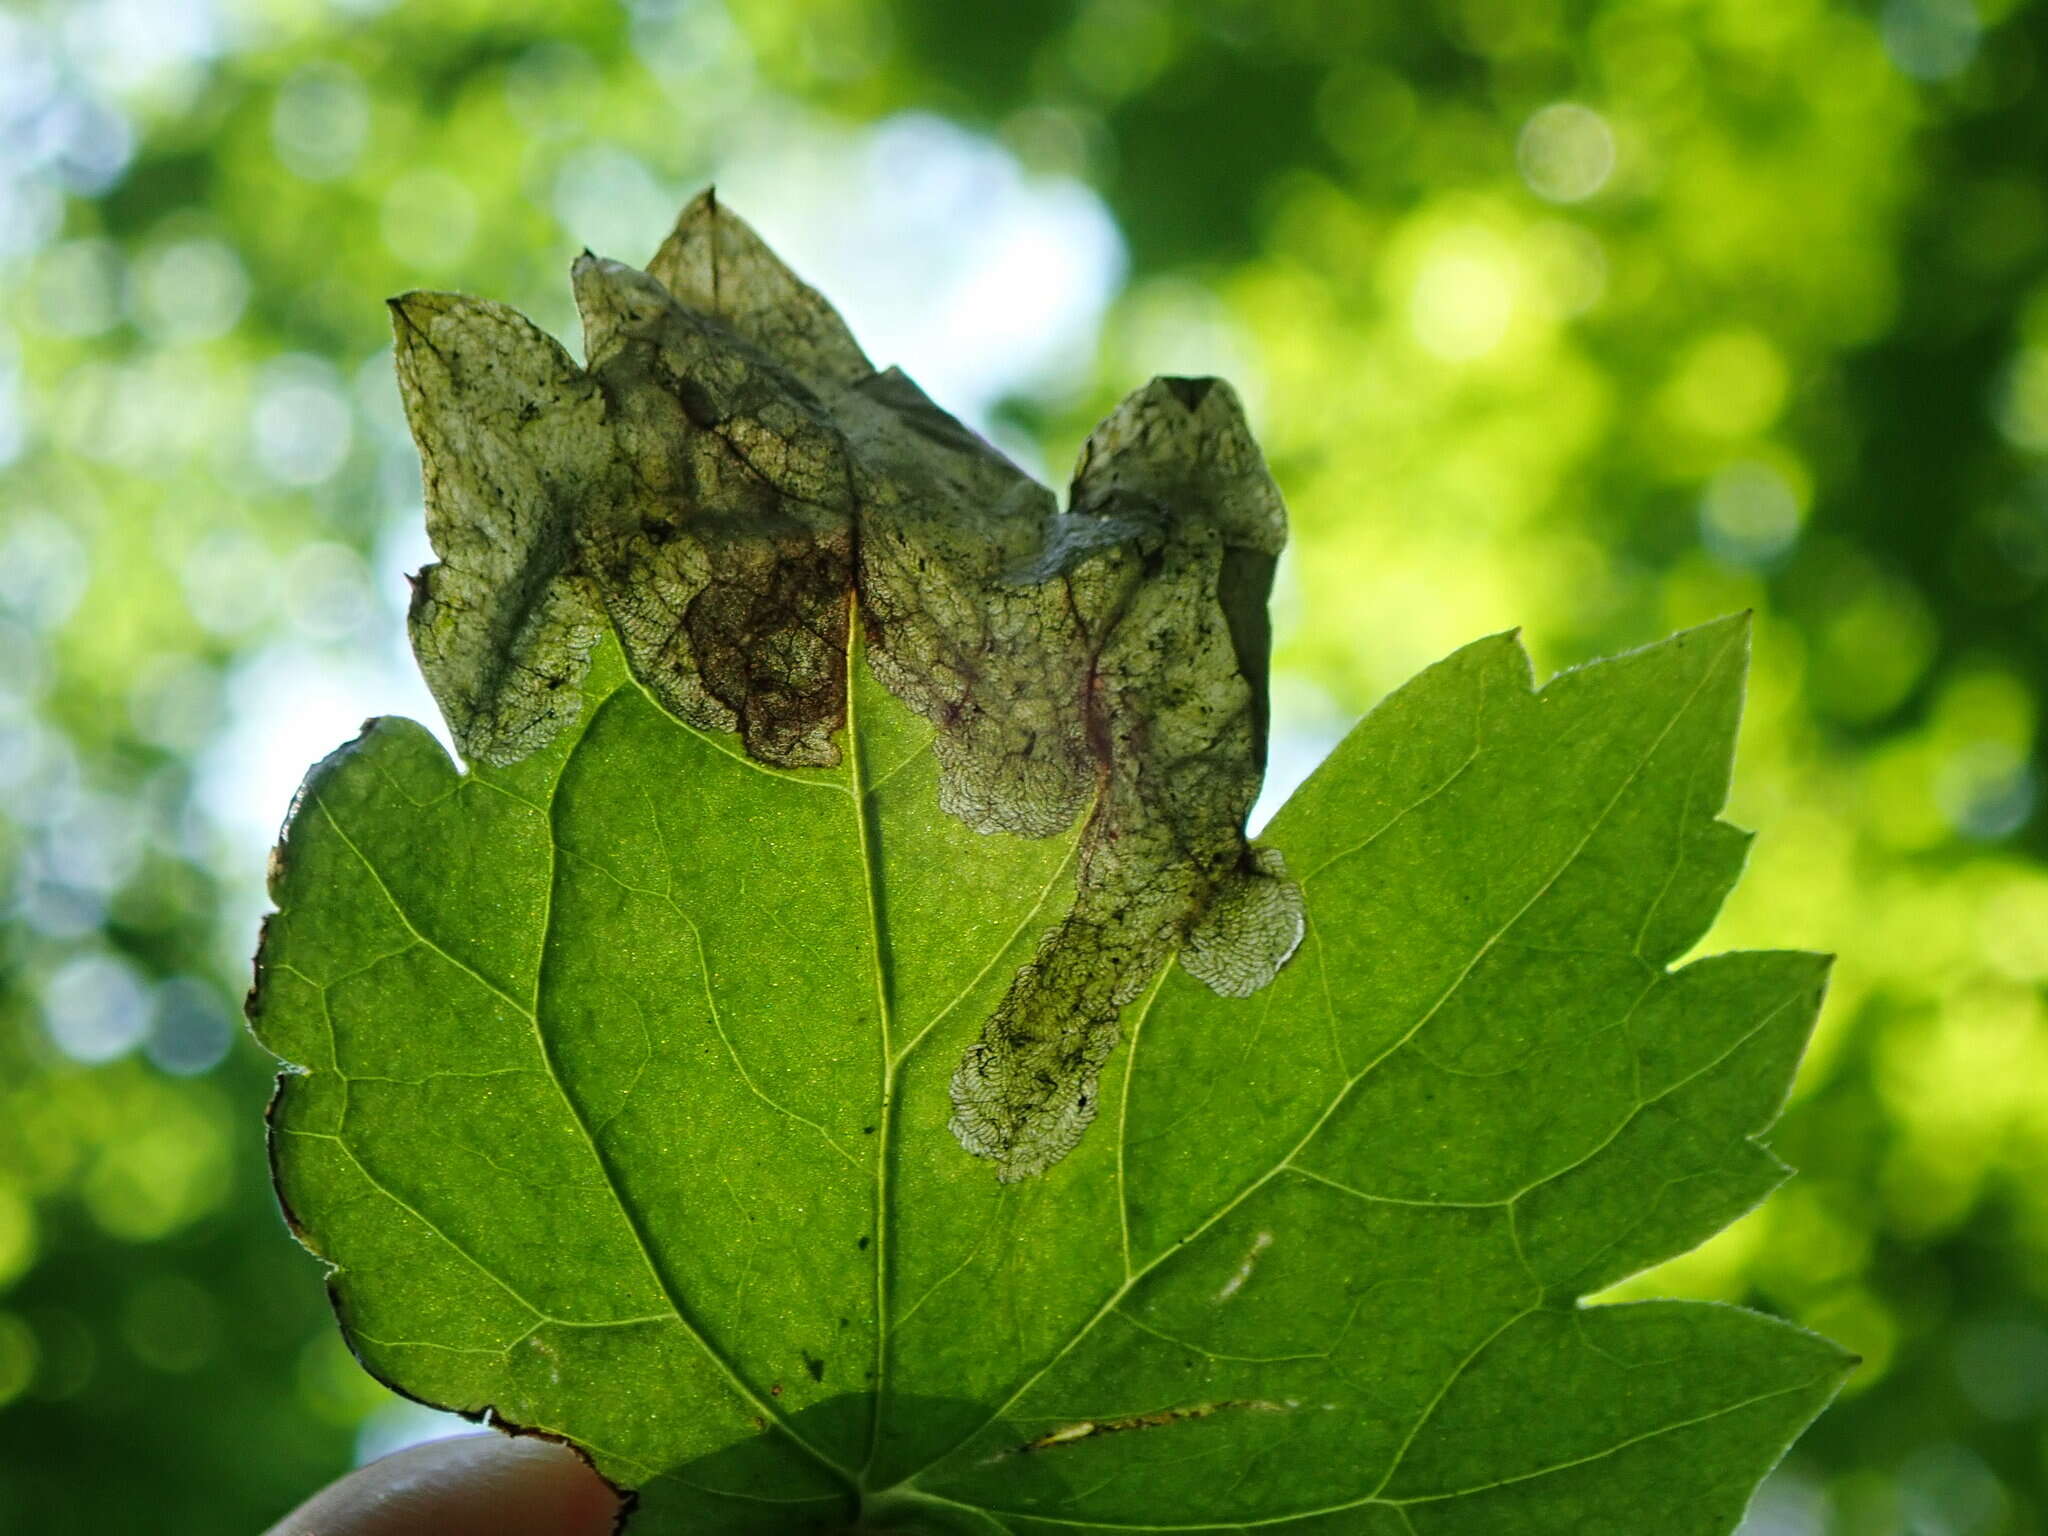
<point x="1599" y="317"/>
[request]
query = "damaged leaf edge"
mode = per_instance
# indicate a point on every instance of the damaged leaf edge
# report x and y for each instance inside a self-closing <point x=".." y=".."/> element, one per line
<point x="727" y="470"/>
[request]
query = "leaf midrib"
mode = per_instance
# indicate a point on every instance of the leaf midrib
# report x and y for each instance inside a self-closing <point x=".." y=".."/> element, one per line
<point x="885" y="1122"/>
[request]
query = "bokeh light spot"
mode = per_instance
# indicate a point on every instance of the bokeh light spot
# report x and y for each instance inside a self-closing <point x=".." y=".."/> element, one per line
<point x="17" y="1243"/>
<point x="1787" y="1505"/>
<point x="44" y="568"/>
<point x="28" y="67"/>
<point x="79" y="288"/>
<point x="1872" y="650"/>
<point x="1572" y="263"/>
<point x="17" y="1357"/>
<point x="428" y="220"/>
<point x="1463" y="297"/>
<point x="1366" y="113"/>
<point x="2013" y="930"/>
<point x="130" y="45"/>
<point x="165" y="1167"/>
<point x="1931" y="39"/>
<point x="67" y="1356"/>
<point x="190" y="290"/>
<point x="545" y="82"/>
<point x="2020" y="405"/>
<point x="175" y="702"/>
<point x="171" y="1324"/>
<point x="1730" y="384"/>
<point x="327" y="592"/>
<point x="320" y="121"/>
<point x="95" y="1008"/>
<point x="31" y="212"/>
<point x="21" y="745"/>
<point x="609" y="201"/>
<point x="1750" y="513"/>
<point x="1999" y="554"/>
<point x="301" y="426"/>
<point x="13" y="414"/>
<point x="2002" y="1367"/>
<point x="1947" y="1490"/>
<point x="1566" y="152"/>
<point x="95" y="845"/>
<point x="1117" y="47"/>
<point x="1986" y="790"/>
<point x="85" y="142"/>
<point x="190" y="1031"/>
<point x="230" y="582"/>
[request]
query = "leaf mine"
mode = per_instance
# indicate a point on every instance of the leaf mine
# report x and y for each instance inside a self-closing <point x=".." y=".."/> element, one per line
<point x="734" y="490"/>
<point x="508" y="429"/>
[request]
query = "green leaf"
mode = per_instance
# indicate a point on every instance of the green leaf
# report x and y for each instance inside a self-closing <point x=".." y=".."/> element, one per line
<point x="628" y="1103"/>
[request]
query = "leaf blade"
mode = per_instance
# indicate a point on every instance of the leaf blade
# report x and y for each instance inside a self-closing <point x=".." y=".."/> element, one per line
<point x="626" y="1107"/>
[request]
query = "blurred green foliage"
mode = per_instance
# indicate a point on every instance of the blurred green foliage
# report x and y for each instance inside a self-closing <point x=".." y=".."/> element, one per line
<point x="1596" y="316"/>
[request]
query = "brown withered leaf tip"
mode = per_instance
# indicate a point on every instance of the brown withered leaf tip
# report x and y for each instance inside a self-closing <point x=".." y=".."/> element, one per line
<point x="733" y="489"/>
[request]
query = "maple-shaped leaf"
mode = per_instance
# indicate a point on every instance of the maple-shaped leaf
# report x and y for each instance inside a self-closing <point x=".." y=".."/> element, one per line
<point x="835" y="1059"/>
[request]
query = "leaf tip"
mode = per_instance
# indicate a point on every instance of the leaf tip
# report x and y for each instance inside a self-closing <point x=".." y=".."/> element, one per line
<point x="1738" y="626"/>
<point x="403" y="327"/>
<point x="1512" y="651"/>
<point x="411" y="310"/>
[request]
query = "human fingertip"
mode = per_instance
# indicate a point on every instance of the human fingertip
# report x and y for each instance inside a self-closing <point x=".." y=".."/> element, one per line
<point x="471" y="1485"/>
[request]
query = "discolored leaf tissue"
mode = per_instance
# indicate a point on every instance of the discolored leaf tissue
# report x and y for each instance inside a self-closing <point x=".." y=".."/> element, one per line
<point x="835" y="1057"/>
